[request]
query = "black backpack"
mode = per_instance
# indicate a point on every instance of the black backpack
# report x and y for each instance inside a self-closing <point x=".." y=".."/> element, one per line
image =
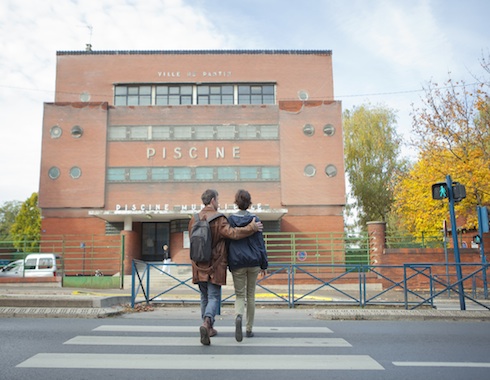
<point x="201" y="240"/>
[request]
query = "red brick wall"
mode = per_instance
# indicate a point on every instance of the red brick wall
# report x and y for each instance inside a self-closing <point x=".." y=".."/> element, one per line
<point x="87" y="152"/>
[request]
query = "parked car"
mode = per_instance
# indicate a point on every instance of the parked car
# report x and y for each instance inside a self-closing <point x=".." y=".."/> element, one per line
<point x="14" y="269"/>
<point x="34" y="265"/>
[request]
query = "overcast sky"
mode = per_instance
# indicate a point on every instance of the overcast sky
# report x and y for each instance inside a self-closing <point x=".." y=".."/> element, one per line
<point x="383" y="51"/>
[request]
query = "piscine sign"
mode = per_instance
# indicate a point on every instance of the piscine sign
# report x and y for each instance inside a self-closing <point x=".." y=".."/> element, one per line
<point x="168" y="208"/>
<point x="192" y="152"/>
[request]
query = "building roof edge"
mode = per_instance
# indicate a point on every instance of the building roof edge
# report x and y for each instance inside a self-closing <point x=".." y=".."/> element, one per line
<point x="189" y="52"/>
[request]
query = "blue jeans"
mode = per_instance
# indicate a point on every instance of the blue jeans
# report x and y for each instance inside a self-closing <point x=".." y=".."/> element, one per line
<point x="210" y="299"/>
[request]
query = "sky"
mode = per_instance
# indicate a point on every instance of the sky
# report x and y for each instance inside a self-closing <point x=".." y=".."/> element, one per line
<point x="384" y="51"/>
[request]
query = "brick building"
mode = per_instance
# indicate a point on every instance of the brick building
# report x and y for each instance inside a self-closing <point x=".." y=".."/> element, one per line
<point x="133" y="138"/>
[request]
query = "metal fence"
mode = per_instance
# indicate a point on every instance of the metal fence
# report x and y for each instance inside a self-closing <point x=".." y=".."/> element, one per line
<point x="407" y="286"/>
<point x="83" y="260"/>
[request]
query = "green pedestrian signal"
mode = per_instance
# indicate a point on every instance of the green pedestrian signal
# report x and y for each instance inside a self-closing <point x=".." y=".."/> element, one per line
<point x="439" y="191"/>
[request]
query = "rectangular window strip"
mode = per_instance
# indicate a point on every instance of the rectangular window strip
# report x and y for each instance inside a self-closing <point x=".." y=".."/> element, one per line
<point x="194" y="94"/>
<point x="193" y="132"/>
<point x="198" y="174"/>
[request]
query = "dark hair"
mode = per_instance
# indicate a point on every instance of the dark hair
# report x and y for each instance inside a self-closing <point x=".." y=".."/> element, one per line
<point x="208" y="196"/>
<point x="243" y="199"/>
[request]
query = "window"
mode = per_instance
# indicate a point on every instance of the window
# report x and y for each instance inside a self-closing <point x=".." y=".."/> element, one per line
<point x="248" y="173"/>
<point x="215" y="94"/>
<point x="138" y="174"/>
<point x="55" y="132"/>
<point x="133" y="96"/>
<point x="247" y="132"/>
<point x="226" y="174"/>
<point x="188" y="94"/>
<point x="116" y="174"/>
<point x="160" y="174"/>
<point x="75" y="172"/>
<point x="204" y="174"/>
<point x="204" y="132"/>
<point x="173" y="95"/>
<point x="198" y="174"/>
<point x="182" y="174"/>
<point x="256" y="94"/>
<point x="270" y="173"/>
<point x="54" y="172"/>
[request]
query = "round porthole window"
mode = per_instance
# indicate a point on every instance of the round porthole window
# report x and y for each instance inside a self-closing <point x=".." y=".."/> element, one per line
<point x="77" y="131"/>
<point x="303" y="95"/>
<point x="329" y="130"/>
<point x="55" y="132"/>
<point x="54" y="172"/>
<point x="310" y="170"/>
<point x="309" y="130"/>
<point x="331" y="171"/>
<point x="75" y="172"/>
<point x="85" y="97"/>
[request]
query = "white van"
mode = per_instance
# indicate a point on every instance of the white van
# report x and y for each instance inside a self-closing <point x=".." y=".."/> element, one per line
<point x="35" y="265"/>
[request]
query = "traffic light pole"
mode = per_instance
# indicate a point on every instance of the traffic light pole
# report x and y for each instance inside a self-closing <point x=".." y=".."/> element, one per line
<point x="480" y="211"/>
<point x="454" y="232"/>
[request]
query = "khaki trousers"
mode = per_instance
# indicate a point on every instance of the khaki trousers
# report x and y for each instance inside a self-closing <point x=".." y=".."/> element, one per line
<point x="244" y="280"/>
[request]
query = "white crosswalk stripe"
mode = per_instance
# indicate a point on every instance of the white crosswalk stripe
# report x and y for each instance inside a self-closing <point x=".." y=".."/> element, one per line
<point x="312" y="340"/>
<point x="191" y="341"/>
<point x="201" y="362"/>
<point x="193" y="329"/>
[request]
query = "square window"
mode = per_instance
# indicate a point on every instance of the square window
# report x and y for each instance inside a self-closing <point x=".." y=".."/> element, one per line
<point x="182" y="174"/>
<point x="160" y="174"/>
<point x="138" y="174"/>
<point x="204" y="174"/>
<point x="248" y="173"/>
<point x="117" y="133"/>
<point x="145" y="90"/>
<point x="226" y="174"/>
<point x="116" y="174"/>
<point x="121" y="90"/>
<point x="270" y="173"/>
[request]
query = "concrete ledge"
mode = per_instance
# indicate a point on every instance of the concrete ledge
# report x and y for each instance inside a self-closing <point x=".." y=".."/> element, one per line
<point x="53" y="312"/>
<point x="386" y="314"/>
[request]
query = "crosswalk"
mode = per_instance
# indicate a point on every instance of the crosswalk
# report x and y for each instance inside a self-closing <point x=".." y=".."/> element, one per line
<point x="312" y="350"/>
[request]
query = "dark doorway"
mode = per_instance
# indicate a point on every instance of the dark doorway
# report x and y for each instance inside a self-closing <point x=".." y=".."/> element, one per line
<point x="153" y="237"/>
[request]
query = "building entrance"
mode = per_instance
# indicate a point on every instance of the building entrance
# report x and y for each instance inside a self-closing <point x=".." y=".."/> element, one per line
<point x="153" y="237"/>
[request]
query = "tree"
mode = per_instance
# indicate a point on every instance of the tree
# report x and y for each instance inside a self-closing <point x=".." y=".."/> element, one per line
<point x="453" y="133"/>
<point x="26" y="230"/>
<point x="8" y="213"/>
<point x="372" y="160"/>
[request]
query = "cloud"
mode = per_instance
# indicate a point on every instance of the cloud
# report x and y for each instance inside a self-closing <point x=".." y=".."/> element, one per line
<point x="379" y="47"/>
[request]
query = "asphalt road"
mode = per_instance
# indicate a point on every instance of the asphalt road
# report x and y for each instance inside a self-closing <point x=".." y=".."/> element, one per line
<point x="289" y="344"/>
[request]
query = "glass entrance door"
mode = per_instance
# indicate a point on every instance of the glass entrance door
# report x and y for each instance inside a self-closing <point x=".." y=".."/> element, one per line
<point x="153" y="237"/>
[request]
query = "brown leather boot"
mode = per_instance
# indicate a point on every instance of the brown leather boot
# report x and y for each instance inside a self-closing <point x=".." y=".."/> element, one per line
<point x="204" y="331"/>
<point x="212" y="331"/>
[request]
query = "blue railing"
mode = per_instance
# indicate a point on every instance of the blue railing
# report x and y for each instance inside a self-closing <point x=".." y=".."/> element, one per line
<point x="409" y="286"/>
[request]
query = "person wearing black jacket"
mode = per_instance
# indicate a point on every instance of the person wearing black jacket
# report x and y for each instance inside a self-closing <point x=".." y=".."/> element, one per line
<point x="246" y="259"/>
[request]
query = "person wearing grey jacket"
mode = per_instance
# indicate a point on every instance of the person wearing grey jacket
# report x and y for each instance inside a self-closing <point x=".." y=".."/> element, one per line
<point x="246" y="259"/>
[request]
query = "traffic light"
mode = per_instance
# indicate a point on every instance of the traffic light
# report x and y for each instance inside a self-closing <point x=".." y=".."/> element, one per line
<point x="459" y="192"/>
<point x="440" y="191"/>
<point x="483" y="219"/>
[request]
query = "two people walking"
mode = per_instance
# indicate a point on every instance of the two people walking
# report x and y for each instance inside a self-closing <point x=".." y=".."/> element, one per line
<point x="210" y="276"/>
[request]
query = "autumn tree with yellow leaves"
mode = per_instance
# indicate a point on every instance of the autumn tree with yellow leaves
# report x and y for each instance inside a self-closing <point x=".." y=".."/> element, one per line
<point x="453" y="137"/>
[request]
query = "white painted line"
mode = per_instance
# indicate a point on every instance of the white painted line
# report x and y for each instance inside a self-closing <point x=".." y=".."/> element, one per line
<point x="215" y="341"/>
<point x="258" y="329"/>
<point x="442" y="364"/>
<point x="203" y="362"/>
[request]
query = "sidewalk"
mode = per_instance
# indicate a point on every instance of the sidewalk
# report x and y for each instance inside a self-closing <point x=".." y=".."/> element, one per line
<point x="37" y="301"/>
